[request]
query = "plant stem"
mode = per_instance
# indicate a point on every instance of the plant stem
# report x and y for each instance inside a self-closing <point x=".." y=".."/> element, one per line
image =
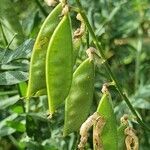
<point x="8" y="45"/>
<point x="41" y="8"/>
<point x="4" y="36"/>
<point x="139" y="48"/>
<point x="138" y="63"/>
<point x="107" y="67"/>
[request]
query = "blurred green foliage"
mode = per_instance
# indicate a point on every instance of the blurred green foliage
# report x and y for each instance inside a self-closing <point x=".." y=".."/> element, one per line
<point x="123" y="28"/>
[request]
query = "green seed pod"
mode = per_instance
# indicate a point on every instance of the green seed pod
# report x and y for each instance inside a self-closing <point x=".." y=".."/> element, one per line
<point x="121" y="136"/>
<point x="80" y="97"/>
<point x="109" y="133"/>
<point x="59" y="64"/>
<point x="37" y="67"/>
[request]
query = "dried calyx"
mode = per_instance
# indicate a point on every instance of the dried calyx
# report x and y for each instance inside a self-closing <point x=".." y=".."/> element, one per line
<point x="124" y="119"/>
<point x="131" y="139"/>
<point x="98" y="128"/>
<point x="94" y="120"/>
<point x="63" y="2"/>
<point x="90" y="52"/>
<point x="51" y="2"/>
<point x="79" y="31"/>
<point x="85" y="128"/>
<point x="105" y="88"/>
<point x="65" y="9"/>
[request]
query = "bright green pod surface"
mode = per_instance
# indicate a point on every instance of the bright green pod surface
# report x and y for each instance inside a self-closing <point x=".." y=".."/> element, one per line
<point x="121" y="137"/>
<point x="109" y="134"/>
<point x="10" y="23"/>
<point x="80" y="97"/>
<point x="37" y="77"/>
<point x="59" y="64"/>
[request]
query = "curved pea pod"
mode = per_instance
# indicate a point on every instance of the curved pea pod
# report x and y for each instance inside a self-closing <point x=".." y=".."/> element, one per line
<point x="109" y="134"/>
<point x="37" y="79"/>
<point x="10" y="23"/>
<point x="59" y="64"/>
<point x="80" y="97"/>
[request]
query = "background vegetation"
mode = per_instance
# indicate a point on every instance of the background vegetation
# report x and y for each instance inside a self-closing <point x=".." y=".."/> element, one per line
<point x="123" y="28"/>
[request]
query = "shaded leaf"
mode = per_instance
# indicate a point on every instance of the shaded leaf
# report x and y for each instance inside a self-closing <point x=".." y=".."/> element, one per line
<point x="10" y="23"/>
<point x="9" y="118"/>
<point x="23" y="51"/>
<point x="141" y="103"/>
<point x="17" y="109"/>
<point x="143" y="92"/>
<point x="22" y="66"/>
<point x="17" y="125"/>
<point x="13" y="77"/>
<point x="2" y="53"/>
<point x="4" y="103"/>
<point x="37" y="128"/>
<point x="6" y="131"/>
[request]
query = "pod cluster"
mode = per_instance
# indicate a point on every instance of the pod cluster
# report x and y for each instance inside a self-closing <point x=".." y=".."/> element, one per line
<point x="51" y="70"/>
<point x="51" y="73"/>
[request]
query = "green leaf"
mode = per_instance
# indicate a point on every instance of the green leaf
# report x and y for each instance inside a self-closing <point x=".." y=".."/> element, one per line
<point x="4" y="103"/>
<point x="141" y="103"/>
<point x="2" y="53"/>
<point x="17" y="109"/>
<point x="23" y="51"/>
<point x="143" y="92"/>
<point x="9" y="118"/>
<point x="31" y="22"/>
<point x="10" y="23"/>
<point x="6" y="131"/>
<point x="13" y="77"/>
<point x="37" y="127"/>
<point x="22" y="66"/>
<point x="17" y="125"/>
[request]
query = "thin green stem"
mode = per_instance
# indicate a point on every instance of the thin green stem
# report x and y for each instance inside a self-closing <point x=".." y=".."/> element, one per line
<point x="5" y="39"/>
<point x="138" y="63"/>
<point x="87" y="40"/>
<point x="8" y="45"/>
<point x="41" y="8"/>
<point x="139" y="47"/>
<point x="107" y="67"/>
